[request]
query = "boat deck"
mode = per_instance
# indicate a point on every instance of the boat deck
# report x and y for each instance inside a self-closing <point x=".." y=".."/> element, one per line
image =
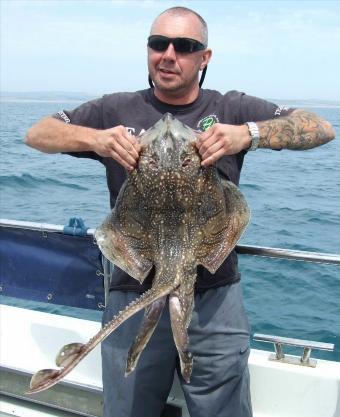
<point x="278" y="389"/>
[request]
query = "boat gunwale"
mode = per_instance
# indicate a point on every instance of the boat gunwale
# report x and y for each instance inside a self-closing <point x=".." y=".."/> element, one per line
<point x="263" y="251"/>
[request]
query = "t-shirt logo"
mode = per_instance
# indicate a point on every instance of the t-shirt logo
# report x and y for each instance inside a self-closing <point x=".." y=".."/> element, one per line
<point x="281" y="109"/>
<point x="64" y="116"/>
<point x="132" y="130"/>
<point x="207" y="122"/>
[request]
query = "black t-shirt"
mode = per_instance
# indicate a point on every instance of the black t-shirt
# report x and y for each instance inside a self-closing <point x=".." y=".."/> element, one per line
<point x="138" y="111"/>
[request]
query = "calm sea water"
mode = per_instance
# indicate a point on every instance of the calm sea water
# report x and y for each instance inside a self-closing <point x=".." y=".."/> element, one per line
<point x="295" y="204"/>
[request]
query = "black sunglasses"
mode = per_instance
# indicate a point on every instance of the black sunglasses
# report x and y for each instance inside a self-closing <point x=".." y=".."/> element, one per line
<point x="184" y="45"/>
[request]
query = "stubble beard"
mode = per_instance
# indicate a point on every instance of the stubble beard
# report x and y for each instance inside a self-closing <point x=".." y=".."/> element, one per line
<point x="174" y="89"/>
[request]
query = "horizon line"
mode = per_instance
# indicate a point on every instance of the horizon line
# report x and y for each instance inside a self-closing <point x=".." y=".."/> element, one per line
<point x="5" y="93"/>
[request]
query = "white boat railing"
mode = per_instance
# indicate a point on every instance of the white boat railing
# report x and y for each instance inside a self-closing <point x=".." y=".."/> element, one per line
<point x="307" y="345"/>
<point x="279" y="253"/>
<point x="282" y="253"/>
<point x="293" y="255"/>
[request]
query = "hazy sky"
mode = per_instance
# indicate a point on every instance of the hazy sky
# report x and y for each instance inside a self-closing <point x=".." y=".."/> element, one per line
<point x="272" y="49"/>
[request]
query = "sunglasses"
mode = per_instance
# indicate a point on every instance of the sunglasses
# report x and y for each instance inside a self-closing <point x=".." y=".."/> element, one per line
<point x="161" y="43"/>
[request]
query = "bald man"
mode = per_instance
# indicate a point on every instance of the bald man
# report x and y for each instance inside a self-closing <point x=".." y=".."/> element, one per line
<point x="232" y="124"/>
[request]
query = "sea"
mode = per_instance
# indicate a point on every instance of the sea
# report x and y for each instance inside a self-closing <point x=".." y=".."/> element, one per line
<point x="294" y="198"/>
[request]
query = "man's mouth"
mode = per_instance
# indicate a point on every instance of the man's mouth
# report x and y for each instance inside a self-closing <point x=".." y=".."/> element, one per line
<point x="166" y="71"/>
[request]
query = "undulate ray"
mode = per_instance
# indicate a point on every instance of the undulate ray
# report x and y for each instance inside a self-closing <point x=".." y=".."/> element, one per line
<point x="171" y="214"/>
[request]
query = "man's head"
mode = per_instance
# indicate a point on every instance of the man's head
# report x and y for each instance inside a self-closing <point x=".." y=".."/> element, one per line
<point x="175" y="73"/>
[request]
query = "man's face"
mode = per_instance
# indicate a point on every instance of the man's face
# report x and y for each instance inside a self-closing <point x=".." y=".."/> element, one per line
<point x="175" y="74"/>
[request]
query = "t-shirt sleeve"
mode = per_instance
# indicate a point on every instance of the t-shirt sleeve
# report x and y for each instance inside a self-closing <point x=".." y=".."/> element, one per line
<point x="254" y="109"/>
<point x="88" y="115"/>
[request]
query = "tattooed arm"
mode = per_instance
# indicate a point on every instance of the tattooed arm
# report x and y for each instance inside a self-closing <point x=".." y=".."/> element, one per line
<point x="300" y="130"/>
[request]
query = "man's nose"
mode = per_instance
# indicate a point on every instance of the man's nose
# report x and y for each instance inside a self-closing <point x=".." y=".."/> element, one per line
<point x="170" y="53"/>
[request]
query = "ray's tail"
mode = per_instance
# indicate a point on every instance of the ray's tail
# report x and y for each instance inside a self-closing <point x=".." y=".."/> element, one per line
<point x="70" y="355"/>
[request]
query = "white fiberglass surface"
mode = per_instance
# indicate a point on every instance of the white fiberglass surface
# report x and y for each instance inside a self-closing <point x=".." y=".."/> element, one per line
<point x="31" y="339"/>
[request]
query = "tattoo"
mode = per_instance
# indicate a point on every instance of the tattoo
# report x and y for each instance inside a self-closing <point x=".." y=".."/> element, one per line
<point x="300" y="130"/>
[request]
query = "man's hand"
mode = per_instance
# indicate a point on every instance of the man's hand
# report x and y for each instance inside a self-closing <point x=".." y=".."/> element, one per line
<point x="118" y="144"/>
<point x="222" y="139"/>
<point x="51" y="135"/>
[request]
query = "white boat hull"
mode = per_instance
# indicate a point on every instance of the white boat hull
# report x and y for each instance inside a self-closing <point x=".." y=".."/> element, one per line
<point x="30" y="340"/>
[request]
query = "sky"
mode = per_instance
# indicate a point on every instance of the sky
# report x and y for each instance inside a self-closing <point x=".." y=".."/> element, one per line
<point x="271" y="49"/>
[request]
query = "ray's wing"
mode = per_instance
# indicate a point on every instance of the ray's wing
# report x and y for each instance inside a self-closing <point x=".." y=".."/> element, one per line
<point x="224" y="215"/>
<point x="124" y="236"/>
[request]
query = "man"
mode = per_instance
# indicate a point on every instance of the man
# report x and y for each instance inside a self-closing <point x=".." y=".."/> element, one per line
<point x="105" y="130"/>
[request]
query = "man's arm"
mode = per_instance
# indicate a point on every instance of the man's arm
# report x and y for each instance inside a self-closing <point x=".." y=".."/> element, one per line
<point x="300" y="130"/>
<point x="51" y="135"/>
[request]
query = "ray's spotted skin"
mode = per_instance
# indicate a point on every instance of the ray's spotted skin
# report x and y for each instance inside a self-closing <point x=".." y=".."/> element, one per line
<point x="172" y="214"/>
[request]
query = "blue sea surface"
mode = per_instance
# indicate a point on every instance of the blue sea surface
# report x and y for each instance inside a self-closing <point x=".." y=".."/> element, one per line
<point x="294" y="197"/>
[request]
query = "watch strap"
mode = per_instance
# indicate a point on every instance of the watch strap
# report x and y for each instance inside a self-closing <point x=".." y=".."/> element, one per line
<point x="254" y="134"/>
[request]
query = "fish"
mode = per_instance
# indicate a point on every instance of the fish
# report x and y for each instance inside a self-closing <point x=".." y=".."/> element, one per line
<point x="171" y="214"/>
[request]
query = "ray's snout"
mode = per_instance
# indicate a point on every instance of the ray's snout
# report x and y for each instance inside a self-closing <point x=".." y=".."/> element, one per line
<point x="168" y="117"/>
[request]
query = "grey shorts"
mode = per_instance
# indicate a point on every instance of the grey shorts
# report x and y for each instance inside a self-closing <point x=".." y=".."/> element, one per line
<point x="219" y="341"/>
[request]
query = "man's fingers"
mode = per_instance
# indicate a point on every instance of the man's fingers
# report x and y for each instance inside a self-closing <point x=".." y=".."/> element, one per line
<point x="213" y="158"/>
<point x="208" y="144"/>
<point x="133" y="141"/>
<point x="125" y="155"/>
<point x="211" y="150"/>
<point x="121" y="135"/>
<point x="203" y="137"/>
<point x="129" y="144"/>
<point x="122" y="161"/>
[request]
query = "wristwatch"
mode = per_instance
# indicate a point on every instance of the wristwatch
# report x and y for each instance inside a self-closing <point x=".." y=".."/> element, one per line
<point x="254" y="134"/>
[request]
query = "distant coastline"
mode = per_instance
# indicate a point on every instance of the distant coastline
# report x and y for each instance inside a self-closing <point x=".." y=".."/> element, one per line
<point x="63" y="96"/>
<point x="46" y="96"/>
<point x="319" y="103"/>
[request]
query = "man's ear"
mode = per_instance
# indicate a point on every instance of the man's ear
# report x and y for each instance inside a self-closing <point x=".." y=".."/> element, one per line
<point x="206" y="56"/>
